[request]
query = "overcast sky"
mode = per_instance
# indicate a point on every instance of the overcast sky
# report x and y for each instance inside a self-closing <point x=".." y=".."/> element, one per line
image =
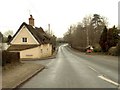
<point x="59" y="13"/>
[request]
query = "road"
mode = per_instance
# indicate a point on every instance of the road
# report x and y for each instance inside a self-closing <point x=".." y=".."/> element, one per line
<point x="72" y="69"/>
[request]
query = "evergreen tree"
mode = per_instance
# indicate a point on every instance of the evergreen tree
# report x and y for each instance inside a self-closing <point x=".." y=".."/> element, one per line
<point x="112" y="37"/>
<point x="109" y="38"/>
<point x="103" y="40"/>
<point x="9" y="38"/>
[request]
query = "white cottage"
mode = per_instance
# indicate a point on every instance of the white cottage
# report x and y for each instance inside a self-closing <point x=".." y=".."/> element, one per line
<point x="32" y="42"/>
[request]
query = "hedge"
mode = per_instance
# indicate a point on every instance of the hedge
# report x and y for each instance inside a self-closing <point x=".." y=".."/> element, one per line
<point x="10" y="57"/>
<point x="97" y="48"/>
<point x="82" y="49"/>
<point x="113" y="51"/>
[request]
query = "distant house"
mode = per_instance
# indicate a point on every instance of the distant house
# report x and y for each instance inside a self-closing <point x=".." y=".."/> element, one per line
<point x="30" y="41"/>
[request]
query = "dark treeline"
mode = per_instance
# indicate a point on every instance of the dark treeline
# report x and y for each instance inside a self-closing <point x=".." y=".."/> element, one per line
<point x="89" y="31"/>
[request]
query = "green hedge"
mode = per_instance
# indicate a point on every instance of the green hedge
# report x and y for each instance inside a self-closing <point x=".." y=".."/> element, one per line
<point x="10" y="57"/>
<point x="113" y="51"/>
<point x="82" y="49"/>
<point x="97" y="48"/>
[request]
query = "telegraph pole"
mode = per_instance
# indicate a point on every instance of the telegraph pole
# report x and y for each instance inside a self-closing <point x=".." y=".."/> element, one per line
<point x="49" y="29"/>
<point x="87" y="36"/>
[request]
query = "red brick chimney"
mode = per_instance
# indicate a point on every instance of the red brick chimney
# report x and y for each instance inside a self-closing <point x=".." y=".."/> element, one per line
<point x="31" y="20"/>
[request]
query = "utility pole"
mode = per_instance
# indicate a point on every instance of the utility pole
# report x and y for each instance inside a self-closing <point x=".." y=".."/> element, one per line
<point x="87" y="36"/>
<point x="49" y="29"/>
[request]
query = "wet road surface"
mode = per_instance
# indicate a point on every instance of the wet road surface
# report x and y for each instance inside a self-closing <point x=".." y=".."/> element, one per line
<point x="71" y="69"/>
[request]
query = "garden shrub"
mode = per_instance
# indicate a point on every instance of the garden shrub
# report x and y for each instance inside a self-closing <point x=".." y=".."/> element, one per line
<point x="97" y="48"/>
<point x="113" y="51"/>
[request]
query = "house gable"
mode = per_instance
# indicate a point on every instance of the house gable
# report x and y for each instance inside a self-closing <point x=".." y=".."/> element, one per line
<point x="31" y="41"/>
<point x="23" y="32"/>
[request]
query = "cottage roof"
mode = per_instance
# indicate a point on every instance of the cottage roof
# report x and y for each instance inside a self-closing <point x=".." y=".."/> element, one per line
<point x="38" y="33"/>
<point x="21" y="47"/>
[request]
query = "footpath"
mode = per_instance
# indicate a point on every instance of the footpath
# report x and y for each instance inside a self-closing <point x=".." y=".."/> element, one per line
<point x="15" y="75"/>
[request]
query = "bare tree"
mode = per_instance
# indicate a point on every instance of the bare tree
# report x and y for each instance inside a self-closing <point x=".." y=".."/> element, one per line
<point x="1" y="37"/>
<point x="7" y="33"/>
<point x="87" y="32"/>
<point x="87" y="25"/>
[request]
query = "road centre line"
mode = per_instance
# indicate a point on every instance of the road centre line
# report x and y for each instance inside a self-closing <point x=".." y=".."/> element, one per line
<point x="93" y="69"/>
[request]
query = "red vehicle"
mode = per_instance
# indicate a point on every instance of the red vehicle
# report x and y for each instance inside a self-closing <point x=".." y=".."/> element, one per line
<point x="89" y="49"/>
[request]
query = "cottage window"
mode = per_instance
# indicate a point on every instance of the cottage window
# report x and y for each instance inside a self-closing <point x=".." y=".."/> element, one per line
<point x="24" y="39"/>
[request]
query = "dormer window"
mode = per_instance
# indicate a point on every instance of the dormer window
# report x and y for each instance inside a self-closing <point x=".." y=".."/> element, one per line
<point x="24" y="39"/>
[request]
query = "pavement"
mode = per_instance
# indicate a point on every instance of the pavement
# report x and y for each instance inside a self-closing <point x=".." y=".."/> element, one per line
<point x="14" y="75"/>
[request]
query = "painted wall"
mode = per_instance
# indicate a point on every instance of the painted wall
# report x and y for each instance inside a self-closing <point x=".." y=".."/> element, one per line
<point x="46" y="50"/>
<point x="38" y="52"/>
<point x="24" y="32"/>
<point x="30" y="53"/>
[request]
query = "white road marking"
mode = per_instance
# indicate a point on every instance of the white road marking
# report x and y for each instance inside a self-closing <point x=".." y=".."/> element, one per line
<point x="93" y="69"/>
<point x="108" y="80"/>
<point x="104" y="78"/>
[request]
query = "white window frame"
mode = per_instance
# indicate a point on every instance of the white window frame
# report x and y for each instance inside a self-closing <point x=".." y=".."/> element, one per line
<point x="23" y="39"/>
